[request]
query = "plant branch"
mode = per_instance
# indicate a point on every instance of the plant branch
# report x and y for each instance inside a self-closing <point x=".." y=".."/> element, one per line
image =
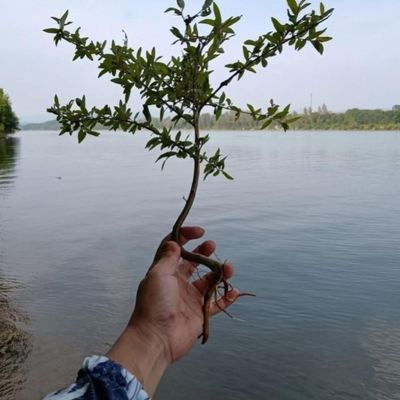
<point x="258" y="58"/>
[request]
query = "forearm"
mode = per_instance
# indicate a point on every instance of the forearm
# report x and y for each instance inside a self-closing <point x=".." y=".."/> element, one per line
<point x="142" y="353"/>
<point x="131" y="369"/>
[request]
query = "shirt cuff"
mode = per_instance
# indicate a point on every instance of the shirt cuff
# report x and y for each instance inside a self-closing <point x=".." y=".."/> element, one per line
<point x="101" y="378"/>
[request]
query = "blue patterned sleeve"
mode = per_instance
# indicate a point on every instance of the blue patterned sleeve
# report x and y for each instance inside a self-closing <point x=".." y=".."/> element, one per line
<point x="102" y="379"/>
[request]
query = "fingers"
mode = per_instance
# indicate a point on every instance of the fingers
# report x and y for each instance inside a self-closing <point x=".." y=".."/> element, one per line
<point x="186" y="233"/>
<point x="205" y="282"/>
<point x="224" y="302"/>
<point x="206" y="249"/>
<point x="168" y="256"/>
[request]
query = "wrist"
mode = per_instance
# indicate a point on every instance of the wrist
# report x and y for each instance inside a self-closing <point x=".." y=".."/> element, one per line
<point x="142" y="352"/>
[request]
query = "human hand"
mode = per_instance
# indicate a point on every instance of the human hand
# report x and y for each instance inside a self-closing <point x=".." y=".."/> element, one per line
<point x="168" y="316"/>
<point x="169" y="304"/>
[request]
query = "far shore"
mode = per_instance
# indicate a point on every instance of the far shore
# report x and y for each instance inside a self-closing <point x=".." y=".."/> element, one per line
<point x="359" y="130"/>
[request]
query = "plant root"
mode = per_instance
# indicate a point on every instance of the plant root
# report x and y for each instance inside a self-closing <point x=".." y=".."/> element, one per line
<point x="212" y="293"/>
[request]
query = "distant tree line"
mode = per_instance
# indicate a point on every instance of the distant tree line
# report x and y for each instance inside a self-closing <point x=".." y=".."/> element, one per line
<point x="353" y="119"/>
<point x="8" y="119"/>
<point x="320" y="119"/>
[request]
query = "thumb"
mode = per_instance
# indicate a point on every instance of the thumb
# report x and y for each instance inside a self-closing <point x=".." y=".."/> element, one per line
<point x="167" y="258"/>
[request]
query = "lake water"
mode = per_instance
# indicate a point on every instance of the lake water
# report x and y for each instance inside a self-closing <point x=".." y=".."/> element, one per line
<point x="311" y="222"/>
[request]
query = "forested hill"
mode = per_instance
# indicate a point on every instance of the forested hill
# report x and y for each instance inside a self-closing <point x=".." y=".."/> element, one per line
<point x="52" y="125"/>
<point x="354" y="119"/>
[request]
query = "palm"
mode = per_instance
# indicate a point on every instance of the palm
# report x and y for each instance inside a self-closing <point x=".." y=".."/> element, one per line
<point x="169" y="302"/>
<point x="174" y="307"/>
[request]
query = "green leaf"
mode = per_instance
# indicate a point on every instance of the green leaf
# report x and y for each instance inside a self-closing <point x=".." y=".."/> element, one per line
<point x="166" y="155"/>
<point x="293" y="119"/>
<point x="232" y="21"/>
<point x="207" y="22"/>
<point x="63" y="19"/>
<point x="217" y="13"/>
<point x="318" y="46"/>
<point x="300" y="44"/>
<point x="251" y="69"/>
<point x="227" y="176"/>
<point x="206" y="12"/>
<point x="218" y="113"/>
<point x="277" y="25"/>
<point x="285" y="126"/>
<point x="293" y="6"/>
<point x="146" y="113"/>
<point x="314" y="34"/>
<point x="51" y="30"/>
<point x="161" y="68"/>
<point x="250" y="42"/>
<point x="175" y="31"/>
<point x="174" y="10"/>
<point x="322" y="39"/>
<point x="251" y="108"/>
<point x="328" y="13"/>
<point x="181" y="4"/>
<point x="81" y="103"/>
<point x="207" y="4"/>
<point x="303" y="5"/>
<point x="153" y="142"/>
<point x="246" y="53"/>
<point x="266" y="124"/>
<point x="81" y="135"/>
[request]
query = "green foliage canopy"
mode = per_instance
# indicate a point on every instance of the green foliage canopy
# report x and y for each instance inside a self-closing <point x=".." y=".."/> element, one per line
<point x="8" y="119"/>
<point x="181" y="86"/>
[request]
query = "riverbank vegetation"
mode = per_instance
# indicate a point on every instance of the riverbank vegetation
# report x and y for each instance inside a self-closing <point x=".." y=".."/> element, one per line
<point x="319" y="120"/>
<point x="353" y="119"/>
<point x="8" y="119"/>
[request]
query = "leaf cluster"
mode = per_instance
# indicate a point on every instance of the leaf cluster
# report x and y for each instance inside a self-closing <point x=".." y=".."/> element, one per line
<point x="181" y="86"/>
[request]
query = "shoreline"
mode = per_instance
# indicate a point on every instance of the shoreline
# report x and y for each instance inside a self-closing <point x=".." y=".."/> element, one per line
<point x="359" y="130"/>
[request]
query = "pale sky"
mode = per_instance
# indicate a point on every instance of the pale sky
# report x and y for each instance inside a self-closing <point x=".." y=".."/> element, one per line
<point x="360" y="67"/>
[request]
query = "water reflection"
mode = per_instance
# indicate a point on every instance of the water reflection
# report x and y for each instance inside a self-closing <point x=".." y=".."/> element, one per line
<point x="15" y="342"/>
<point x="9" y="149"/>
